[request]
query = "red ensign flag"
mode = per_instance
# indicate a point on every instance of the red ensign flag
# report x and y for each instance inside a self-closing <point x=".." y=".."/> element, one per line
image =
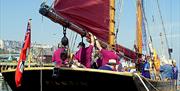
<point x="22" y="58"/>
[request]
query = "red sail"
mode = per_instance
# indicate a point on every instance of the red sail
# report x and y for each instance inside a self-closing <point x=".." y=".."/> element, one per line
<point x="90" y="15"/>
<point x="21" y="61"/>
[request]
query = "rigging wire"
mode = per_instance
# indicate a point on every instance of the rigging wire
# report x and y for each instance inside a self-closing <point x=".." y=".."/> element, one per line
<point x="163" y="26"/>
<point x="144" y="20"/>
<point x="154" y="24"/>
<point x="134" y="3"/>
<point x="179" y="39"/>
<point x="118" y="19"/>
<point x="171" y="22"/>
<point x="120" y="12"/>
<point x="45" y="1"/>
<point x="153" y="19"/>
<point x="52" y="4"/>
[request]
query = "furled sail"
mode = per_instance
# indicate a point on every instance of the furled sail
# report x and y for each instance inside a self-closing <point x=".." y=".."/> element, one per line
<point x="127" y="52"/>
<point x="91" y="15"/>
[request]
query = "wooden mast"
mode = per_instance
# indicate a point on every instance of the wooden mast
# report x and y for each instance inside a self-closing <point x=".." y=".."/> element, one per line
<point x="112" y="24"/>
<point x="139" y="26"/>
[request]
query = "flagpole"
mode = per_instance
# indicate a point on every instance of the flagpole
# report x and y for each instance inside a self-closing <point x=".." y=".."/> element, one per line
<point x="29" y="49"/>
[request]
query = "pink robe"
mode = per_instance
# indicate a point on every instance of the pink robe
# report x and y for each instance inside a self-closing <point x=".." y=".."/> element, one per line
<point x="84" y="56"/>
<point x="56" y="57"/>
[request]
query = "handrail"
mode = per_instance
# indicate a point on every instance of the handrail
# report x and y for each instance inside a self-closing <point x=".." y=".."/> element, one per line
<point x="150" y="84"/>
<point x="142" y="81"/>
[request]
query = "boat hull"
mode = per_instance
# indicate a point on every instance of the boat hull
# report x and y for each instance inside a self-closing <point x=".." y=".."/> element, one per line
<point x="162" y="85"/>
<point x="46" y="79"/>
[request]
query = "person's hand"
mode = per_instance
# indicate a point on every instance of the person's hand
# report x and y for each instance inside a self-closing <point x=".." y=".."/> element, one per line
<point x="91" y="38"/>
<point x="88" y="39"/>
<point x="95" y="38"/>
<point x="90" y="34"/>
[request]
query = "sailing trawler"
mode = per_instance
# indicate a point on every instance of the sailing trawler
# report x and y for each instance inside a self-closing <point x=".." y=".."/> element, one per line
<point x="83" y="16"/>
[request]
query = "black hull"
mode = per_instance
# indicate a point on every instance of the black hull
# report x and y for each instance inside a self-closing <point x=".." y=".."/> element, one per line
<point x="36" y="79"/>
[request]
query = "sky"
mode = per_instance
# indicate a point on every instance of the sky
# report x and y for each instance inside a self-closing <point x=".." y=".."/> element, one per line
<point x="170" y="11"/>
<point x="15" y="14"/>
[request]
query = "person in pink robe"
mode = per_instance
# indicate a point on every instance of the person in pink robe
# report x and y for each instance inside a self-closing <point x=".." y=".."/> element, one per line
<point x="84" y="54"/>
<point x="107" y="54"/>
<point x="56" y="58"/>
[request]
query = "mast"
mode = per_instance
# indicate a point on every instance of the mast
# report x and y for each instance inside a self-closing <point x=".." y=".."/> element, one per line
<point x="139" y="26"/>
<point x="112" y="24"/>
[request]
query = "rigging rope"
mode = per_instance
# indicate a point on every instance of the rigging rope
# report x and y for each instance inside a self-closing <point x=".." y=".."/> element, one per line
<point x="74" y="42"/>
<point x="42" y="19"/>
<point x="52" y="4"/>
<point x="71" y="40"/>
